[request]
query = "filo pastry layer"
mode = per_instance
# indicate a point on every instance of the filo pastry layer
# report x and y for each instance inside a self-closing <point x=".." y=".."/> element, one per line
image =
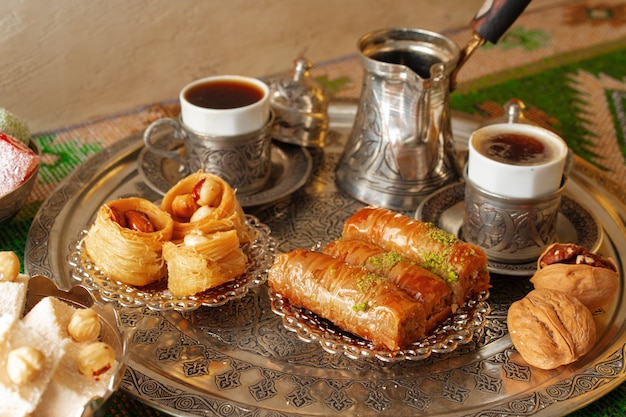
<point x="461" y="264"/>
<point x="422" y="285"/>
<point x="353" y="298"/>
<point x="210" y="261"/>
<point x="126" y="255"/>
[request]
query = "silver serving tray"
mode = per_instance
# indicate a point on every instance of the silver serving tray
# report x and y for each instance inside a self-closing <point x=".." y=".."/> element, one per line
<point x="238" y="359"/>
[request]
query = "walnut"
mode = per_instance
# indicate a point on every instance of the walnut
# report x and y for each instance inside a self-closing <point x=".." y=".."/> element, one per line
<point x="550" y="328"/>
<point x="590" y="277"/>
<point x="95" y="358"/>
<point x="24" y="364"/>
<point x="84" y="326"/>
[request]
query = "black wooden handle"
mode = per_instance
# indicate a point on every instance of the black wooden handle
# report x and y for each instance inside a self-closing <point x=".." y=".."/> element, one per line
<point x="496" y="16"/>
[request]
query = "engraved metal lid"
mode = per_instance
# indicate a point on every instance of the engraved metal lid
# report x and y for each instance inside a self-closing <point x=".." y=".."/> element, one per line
<point x="300" y="106"/>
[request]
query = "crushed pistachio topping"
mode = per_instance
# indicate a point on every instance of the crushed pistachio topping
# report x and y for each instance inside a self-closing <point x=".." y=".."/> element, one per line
<point x="386" y="260"/>
<point x="367" y="281"/>
<point x="438" y="235"/>
<point x="360" y="307"/>
<point x="436" y="262"/>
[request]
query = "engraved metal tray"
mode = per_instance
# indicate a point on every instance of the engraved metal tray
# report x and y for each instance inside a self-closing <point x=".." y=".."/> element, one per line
<point x="239" y="360"/>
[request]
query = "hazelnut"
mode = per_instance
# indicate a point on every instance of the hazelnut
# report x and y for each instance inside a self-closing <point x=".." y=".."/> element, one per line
<point x="95" y="358"/>
<point x="24" y="364"/>
<point x="201" y="213"/>
<point x="195" y="239"/>
<point x="183" y="206"/>
<point x="550" y="328"/>
<point x="207" y="191"/>
<point x="84" y="325"/>
<point x="591" y="278"/>
<point x="9" y="266"/>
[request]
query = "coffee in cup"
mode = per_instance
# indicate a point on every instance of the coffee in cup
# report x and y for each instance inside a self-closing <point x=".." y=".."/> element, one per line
<point x="516" y="160"/>
<point x="226" y="105"/>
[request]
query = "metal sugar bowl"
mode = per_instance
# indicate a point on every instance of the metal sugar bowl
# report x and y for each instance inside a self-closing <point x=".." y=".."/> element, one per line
<point x="400" y="148"/>
<point x="300" y="107"/>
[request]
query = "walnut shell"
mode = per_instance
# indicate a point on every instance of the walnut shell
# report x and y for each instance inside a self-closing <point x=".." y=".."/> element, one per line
<point x="592" y="285"/>
<point x="550" y="328"/>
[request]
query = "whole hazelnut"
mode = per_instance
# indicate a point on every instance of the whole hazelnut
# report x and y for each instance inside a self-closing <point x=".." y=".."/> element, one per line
<point x="195" y="239"/>
<point x="24" y="364"/>
<point x="9" y="266"/>
<point x="95" y="358"/>
<point x="84" y="326"/>
<point x="201" y="213"/>
<point x="207" y="192"/>
<point x="183" y="206"/>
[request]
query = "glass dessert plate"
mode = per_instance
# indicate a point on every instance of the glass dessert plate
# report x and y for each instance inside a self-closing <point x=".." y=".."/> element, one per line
<point x="455" y="331"/>
<point x="157" y="297"/>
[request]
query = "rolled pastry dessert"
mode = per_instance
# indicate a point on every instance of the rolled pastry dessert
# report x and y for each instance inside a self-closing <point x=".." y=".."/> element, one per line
<point x="201" y="262"/>
<point x="422" y="285"/>
<point x="205" y="203"/>
<point x="461" y="264"/>
<point x="353" y="298"/>
<point x="126" y="240"/>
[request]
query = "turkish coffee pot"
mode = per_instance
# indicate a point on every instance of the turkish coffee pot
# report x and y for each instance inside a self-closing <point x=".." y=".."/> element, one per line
<point x="401" y="148"/>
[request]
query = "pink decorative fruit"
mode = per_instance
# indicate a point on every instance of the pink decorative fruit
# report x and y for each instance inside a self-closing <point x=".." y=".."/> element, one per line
<point x="17" y="163"/>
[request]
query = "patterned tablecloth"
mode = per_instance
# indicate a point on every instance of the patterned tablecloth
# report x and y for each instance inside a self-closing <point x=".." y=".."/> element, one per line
<point x="567" y="63"/>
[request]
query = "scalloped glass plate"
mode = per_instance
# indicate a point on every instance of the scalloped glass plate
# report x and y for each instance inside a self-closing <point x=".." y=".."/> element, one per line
<point x="156" y="296"/>
<point x="456" y="331"/>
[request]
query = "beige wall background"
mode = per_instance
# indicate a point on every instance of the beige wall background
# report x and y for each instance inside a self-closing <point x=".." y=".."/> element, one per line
<point x="66" y="61"/>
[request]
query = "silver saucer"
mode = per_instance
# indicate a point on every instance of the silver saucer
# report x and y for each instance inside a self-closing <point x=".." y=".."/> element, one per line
<point x="575" y="224"/>
<point x="291" y="168"/>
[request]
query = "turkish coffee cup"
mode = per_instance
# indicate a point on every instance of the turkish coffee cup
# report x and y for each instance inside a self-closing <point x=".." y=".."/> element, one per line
<point x="514" y="181"/>
<point x="225" y="124"/>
